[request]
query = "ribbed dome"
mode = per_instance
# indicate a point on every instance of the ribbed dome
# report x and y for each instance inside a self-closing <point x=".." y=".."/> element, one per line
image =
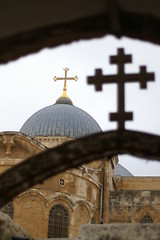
<point x="60" y="119"/>
<point x="122" y="171"/>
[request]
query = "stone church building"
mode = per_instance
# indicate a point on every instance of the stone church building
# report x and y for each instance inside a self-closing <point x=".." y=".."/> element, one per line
<point x="99" y="192"/>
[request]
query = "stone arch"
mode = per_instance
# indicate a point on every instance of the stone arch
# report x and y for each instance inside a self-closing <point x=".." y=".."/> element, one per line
<point x="146" y="211"/>
<point x="32" y="192"/>
<point x="27" y="200"/>
<point x="63" y="199"/>
<point x="31" y="206"/>
<point x="29" y="194"/>
<point x="82" y="213"/>
<point x="86" y="205"/>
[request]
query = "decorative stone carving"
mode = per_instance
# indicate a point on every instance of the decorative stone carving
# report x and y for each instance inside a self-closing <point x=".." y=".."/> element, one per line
<point x="8" y="141"/>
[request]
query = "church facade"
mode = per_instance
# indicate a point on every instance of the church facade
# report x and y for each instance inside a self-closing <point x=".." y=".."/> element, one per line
<point x="100" y="192"/>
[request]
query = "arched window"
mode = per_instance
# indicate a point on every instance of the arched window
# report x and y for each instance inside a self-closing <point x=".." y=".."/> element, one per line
<point x="58" y="222"/>
<point x="8" y="209"/>
<point x="146" y="219"/>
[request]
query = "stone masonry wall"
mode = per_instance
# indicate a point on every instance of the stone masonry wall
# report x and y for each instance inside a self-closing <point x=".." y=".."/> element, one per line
<point x="132" y="206"/>
<point x="120" y="232"/>
<point x="137" y="183"/>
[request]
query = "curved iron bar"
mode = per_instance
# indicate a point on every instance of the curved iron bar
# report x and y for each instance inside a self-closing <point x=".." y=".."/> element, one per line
<point x="72" y="154"/>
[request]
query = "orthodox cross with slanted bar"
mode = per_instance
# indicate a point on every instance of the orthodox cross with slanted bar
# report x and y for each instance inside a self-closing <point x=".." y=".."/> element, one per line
<point x="65" y="78"/>
<point x="120" y="79"/>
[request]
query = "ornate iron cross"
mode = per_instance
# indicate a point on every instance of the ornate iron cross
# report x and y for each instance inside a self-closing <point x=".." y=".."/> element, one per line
<point x="120" y="79"/>
<point x="65" y="78"/>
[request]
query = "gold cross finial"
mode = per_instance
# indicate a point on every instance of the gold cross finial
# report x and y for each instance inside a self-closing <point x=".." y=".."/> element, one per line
<point x="65" y="78"/>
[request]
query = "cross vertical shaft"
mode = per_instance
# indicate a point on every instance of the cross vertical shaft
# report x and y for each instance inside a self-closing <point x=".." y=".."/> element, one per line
<point x="65" y="78"/>
<point x="65" y="81"/>
<point x="121" y="116"/>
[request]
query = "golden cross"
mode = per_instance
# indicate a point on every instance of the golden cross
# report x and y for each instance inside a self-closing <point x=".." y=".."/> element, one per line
<point x="65" y="78"/>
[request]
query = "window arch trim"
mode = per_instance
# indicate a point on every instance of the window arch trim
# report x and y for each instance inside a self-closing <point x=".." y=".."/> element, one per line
<point x="58" y="222"/>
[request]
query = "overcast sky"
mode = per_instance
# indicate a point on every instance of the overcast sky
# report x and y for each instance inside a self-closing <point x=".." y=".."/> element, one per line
<point x="27" y="86"/>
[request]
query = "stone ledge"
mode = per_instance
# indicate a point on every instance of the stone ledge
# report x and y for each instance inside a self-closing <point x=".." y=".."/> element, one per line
<point x="120" y="232"/>
<point x="30" y="238"/>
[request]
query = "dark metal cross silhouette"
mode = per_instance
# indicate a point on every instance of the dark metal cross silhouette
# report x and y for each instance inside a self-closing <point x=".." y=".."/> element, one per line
<point x="121" y="78"/>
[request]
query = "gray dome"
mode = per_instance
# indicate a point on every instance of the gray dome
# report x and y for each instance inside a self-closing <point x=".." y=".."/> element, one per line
<point x="60" y="119"/>
<point x="122" y="171"/>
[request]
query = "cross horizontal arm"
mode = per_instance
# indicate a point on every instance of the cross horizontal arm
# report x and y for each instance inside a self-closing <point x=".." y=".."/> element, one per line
<point x="104" y="79"/>
<point x="121" y="58"/>
<point x="120" y="117"/>
<point x="98" y="80"/>
<point x="143" y="77"/>
<point x="73" y="78"/>
<point x="137" y="78"/>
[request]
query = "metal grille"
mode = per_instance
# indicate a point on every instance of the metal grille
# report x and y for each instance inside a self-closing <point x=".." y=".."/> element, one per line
<point x="146" y="219"/>
<point x="58" y="222"/>
<point x="8" y="209"/>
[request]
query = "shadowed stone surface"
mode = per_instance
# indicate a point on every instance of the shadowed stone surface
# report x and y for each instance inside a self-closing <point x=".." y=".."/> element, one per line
<point x="8" y="228"/>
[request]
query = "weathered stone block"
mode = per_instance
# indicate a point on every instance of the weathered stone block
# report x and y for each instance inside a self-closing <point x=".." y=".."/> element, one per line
<point x="120" y="232"/>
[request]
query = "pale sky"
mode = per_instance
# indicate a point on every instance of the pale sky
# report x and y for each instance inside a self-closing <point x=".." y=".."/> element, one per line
<point x="27" y="86"/>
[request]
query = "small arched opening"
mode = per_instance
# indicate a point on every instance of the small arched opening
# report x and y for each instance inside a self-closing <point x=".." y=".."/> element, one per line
<point x="146" y="219"/>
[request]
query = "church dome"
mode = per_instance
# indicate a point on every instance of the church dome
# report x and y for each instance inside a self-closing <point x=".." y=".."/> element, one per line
<point x="60" y="119"/>
<point x="122" y="171"/>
